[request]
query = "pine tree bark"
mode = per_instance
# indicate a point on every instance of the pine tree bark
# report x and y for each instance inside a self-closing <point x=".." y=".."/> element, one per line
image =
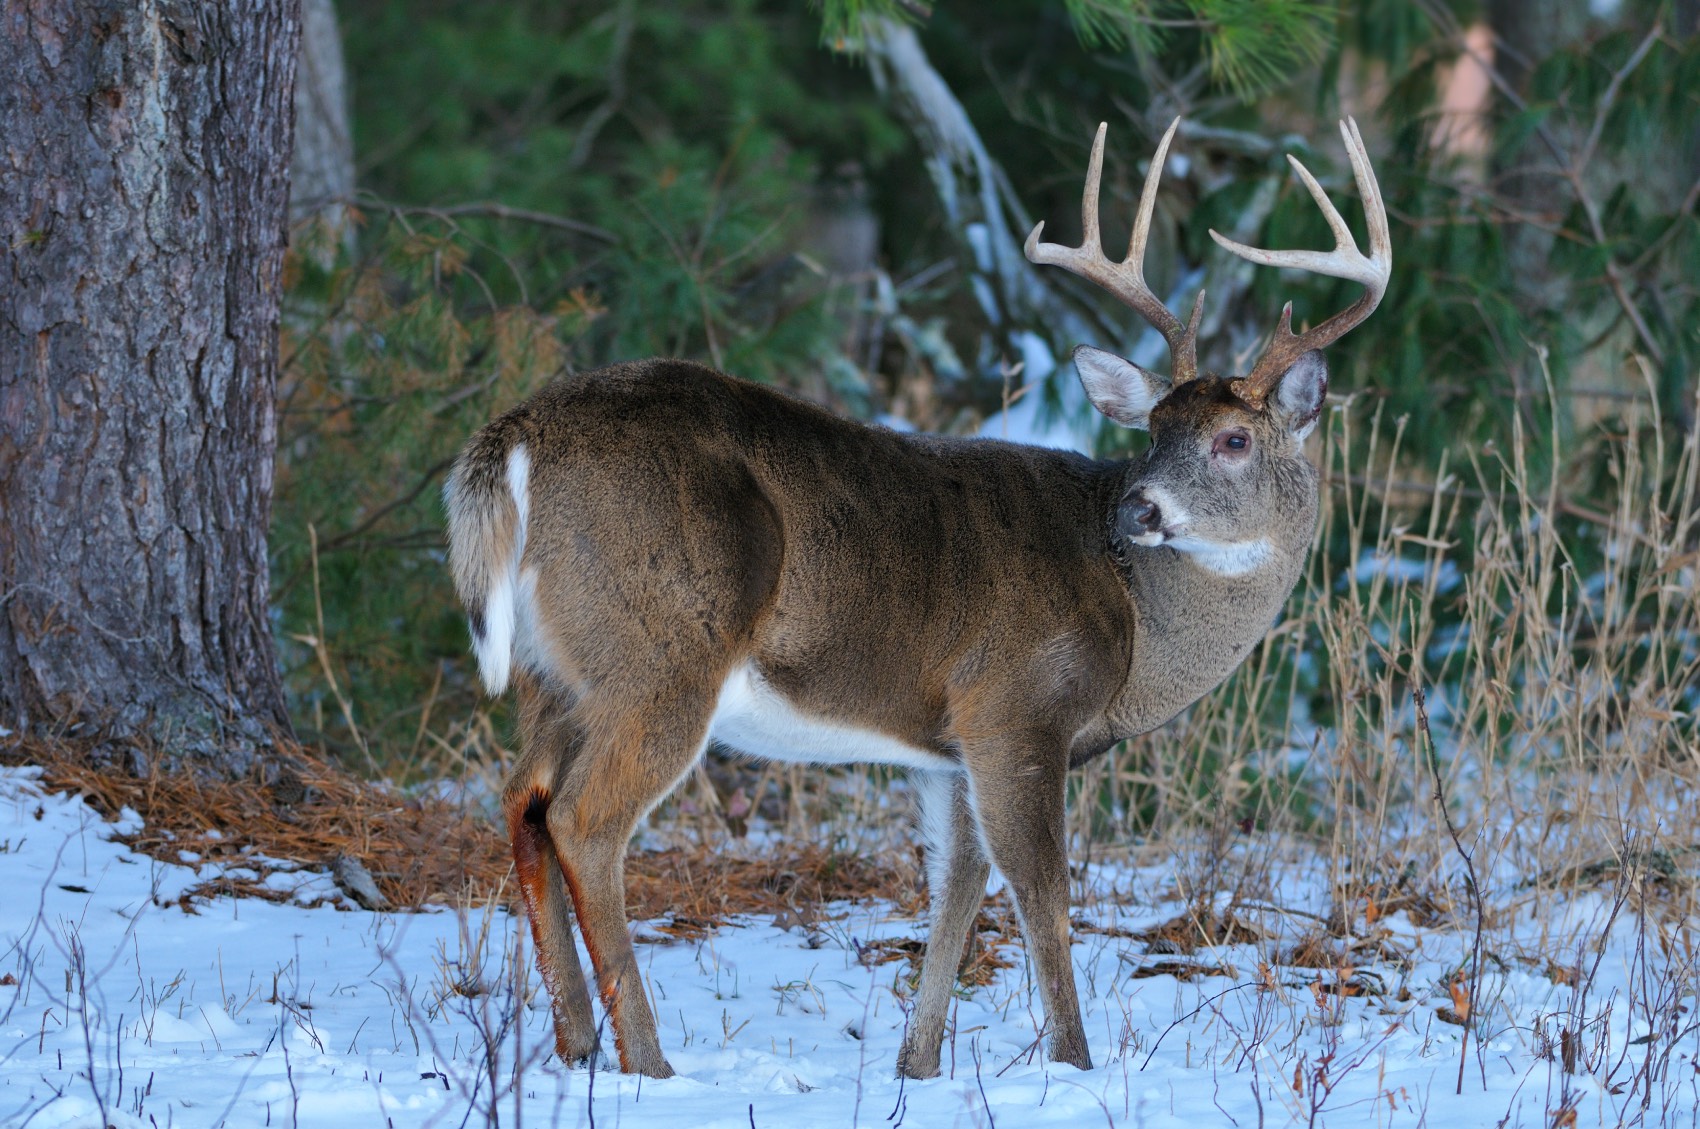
<point x="143" y="183"/>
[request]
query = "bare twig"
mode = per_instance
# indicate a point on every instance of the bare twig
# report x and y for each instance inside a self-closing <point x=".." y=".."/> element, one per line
<point x="1609" y="97"/>
<point x="383" y="511"/>
<point x="493" y="210"/>
<point x="348" y="536"/>
<point x="1421" y="701"/>
<point x="625" y="21"/>
<point x="1571" y="165"/>
<point x="321" y="650"/>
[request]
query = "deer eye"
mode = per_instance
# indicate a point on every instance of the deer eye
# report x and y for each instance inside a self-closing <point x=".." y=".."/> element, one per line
<point x="1234" y="442"/>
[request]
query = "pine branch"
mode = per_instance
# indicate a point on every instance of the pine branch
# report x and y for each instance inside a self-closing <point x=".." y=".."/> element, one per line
<point x="1252" y="45"/>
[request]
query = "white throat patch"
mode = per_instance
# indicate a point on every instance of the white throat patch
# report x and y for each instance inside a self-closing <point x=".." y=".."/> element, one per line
<point x="1230" y="558"/>
<point x="1224" y="558"/>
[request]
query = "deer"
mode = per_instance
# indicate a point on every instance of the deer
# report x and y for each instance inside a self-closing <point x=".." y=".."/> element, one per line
<point x="656" y="555"/>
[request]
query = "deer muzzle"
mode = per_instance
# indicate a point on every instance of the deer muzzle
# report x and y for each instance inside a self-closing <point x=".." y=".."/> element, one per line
<point x="1139" y="519"/>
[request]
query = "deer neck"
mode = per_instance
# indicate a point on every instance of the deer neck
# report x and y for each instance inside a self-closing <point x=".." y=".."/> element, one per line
<point x="1197" y="617"/>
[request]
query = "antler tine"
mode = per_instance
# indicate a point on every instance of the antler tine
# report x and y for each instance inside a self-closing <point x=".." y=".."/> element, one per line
<point x="1345" y="261"/>
<point x="1126" y="279"/>
<point x="1089" y="236"/>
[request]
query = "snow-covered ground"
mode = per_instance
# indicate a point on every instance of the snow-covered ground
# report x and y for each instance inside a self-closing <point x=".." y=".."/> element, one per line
<point x="119" y="1008"/>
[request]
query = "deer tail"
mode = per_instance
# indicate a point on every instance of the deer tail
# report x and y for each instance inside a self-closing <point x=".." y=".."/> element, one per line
<point x="488" y="498"/>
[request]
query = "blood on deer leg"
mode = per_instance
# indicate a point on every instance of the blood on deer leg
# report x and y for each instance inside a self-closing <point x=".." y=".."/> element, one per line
<point x="545" y="898"/>
<point x="596" y="876"/>
<point x="628" y="763"/>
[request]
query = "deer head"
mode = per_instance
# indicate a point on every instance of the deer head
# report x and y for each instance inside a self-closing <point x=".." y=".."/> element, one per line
<point x="1229" y="447"/>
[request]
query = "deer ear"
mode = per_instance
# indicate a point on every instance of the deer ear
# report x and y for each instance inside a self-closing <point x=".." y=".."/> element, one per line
<point x="1121" y="390"/>
<point x="1297" y="402"/>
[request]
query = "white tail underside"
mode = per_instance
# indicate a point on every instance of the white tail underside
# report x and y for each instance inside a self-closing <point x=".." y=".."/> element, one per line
<point x="502" y="606"/>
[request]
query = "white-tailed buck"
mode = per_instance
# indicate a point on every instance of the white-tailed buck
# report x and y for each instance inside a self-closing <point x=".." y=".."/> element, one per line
<point x="658" y="555"/>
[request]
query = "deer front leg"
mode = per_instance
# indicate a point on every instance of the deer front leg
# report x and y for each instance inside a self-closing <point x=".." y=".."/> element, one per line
<point x="1018" y="798"/>
<point x="956" y="886"/>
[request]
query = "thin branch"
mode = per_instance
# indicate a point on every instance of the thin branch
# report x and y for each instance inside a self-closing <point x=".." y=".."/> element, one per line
<point x="1573" y="174"/>
<point x="605" y="111"/>
<point x="1669" y="233"/>
<point x="372" y="519"/>
<point x="389" y="507"/>
<point x="1609" y="98"/>
<point x="494" y="210"/>
<point x="1571" y="165"/>
<point x="1470" y="883"/>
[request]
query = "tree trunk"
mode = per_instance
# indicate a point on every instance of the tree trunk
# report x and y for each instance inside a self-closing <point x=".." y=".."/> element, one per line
<point x="321" y="171"/>
<point x="143" y="182"/>
<point x="1527" y="33"/>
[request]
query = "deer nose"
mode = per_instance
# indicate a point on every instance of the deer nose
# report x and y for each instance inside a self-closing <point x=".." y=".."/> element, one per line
<point x="1139" y="516"/>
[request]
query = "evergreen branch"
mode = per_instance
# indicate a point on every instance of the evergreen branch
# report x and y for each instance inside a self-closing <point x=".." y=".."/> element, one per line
<point x="1252" y="45"/>
<point x="604" y="113"/>
<point x="1572" y="164"/>
<point x="842" y="21"/>
<point x="1609" y="98"/>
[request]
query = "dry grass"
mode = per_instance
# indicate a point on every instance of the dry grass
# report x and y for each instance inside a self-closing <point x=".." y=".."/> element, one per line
<point x="1557" y="646"/>
<point x="298" y="811"/>
<point x="424" y="852"/>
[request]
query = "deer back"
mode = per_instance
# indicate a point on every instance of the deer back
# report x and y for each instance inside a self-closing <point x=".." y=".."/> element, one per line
<point x="913" y="586"/>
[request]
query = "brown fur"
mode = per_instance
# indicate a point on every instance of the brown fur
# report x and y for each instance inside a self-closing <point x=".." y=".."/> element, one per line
<point x="968" y="598"/>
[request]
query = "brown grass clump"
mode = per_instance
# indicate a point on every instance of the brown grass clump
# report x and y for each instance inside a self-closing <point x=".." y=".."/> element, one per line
<point x="701" y="886"/>
<point x="1201" y="926"/>
<point x="296" y="812"/>
<point x="995" y="928"/>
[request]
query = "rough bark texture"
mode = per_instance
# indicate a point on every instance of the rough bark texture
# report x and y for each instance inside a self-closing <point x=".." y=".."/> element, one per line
<point x="144" y="156"/>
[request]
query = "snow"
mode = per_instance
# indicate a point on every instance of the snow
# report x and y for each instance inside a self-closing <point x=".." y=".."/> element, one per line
<point x="1405" y="570"/>
<point x="1070" y="424"/>
<point x="118" y="1007"/>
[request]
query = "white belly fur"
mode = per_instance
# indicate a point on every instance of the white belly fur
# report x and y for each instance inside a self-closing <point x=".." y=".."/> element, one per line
<point x="754" y="718"/>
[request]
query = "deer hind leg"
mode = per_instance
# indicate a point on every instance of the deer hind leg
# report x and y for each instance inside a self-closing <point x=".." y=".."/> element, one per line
<point x="1018" y="782"/>
<point x="629" y="764"/>
<point x="549" y="739"/>
<point x="956" y="887"/>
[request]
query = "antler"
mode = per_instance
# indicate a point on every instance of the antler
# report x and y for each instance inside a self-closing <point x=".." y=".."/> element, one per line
<point x="1126" y="279"/>
<point x="1345" y="261"/>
